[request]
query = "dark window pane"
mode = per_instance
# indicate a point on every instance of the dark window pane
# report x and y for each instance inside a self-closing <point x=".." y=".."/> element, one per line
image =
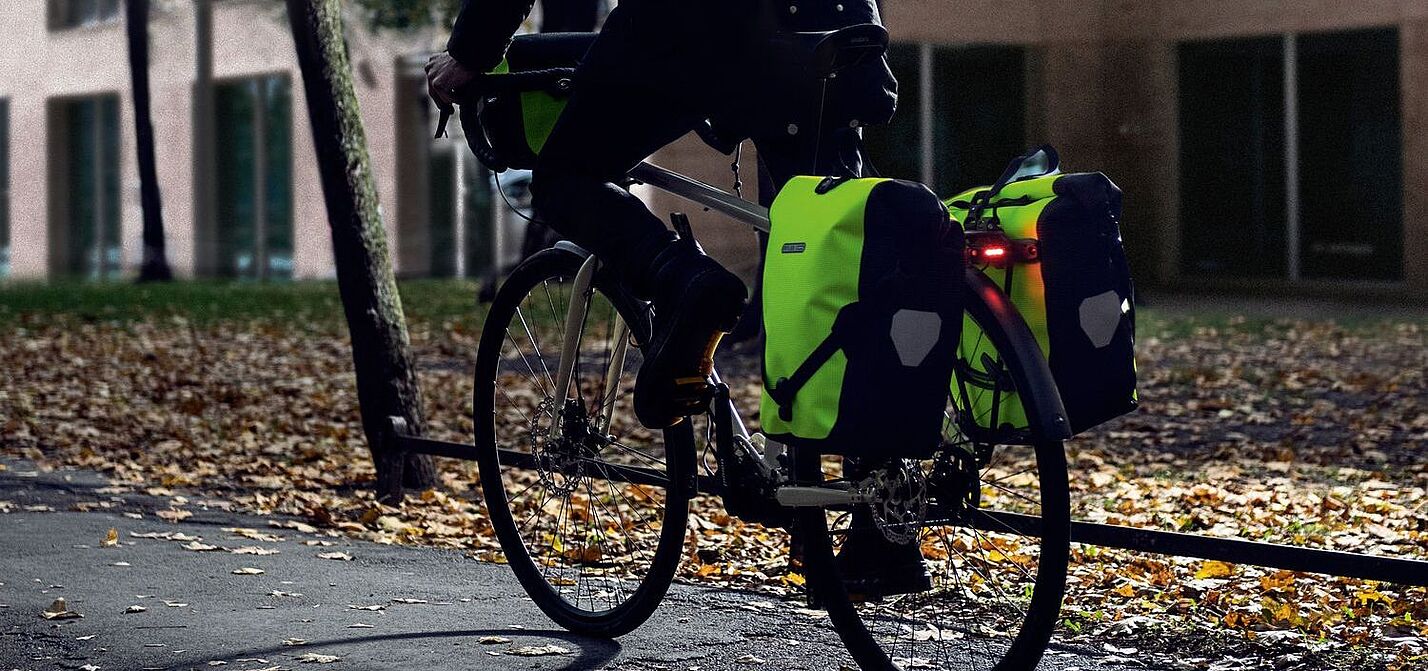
<point x="254" y="190"/>
<point x="236" y="106"/>
<point x="278" y="189"/>
<point x="73" y="13"/>
<point x="91" y="181"/>
<point x="479" y="222"/>
<point x="442" y="195"/>
<point x="4" y="188"/>
<point x="1232" y="204"/>
<point x="109" y="180"/>
<point x="1350" y="148"/>
<point x="979" y="114"/>
<point x="893" y="149"/>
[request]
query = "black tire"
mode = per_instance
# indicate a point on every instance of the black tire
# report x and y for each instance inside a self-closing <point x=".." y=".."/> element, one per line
<point x="884" y="634"/>
<point x="547" y="569"/>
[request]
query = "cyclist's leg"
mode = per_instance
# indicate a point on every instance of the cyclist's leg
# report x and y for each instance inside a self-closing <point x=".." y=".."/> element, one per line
<point x="622" y="111"/>
<point x="605" y="130"/>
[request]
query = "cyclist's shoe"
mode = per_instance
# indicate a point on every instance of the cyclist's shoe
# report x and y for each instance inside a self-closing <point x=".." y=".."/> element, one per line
<point x="696" y="302"/>
<point x="874" y="567"/>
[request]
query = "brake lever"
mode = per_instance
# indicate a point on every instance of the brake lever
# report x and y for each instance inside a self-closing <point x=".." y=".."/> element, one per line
<point x="441" y="124"/>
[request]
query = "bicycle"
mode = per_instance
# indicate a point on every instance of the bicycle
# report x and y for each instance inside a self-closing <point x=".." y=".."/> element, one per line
<point x="590" y="508"/>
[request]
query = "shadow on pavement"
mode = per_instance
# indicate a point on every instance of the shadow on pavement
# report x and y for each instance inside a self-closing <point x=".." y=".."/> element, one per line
<point x="590" y="652"/>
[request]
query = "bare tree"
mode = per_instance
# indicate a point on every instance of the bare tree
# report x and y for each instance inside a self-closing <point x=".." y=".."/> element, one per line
<point x="155" y="267"/>
<point x="386" y="381"/>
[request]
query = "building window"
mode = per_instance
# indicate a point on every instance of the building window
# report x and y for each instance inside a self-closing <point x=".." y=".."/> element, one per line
<point x="1291" y="157"/>
<point x="75" y="13"/>
<point x="1350" y="156"/>
<point x="85" y="234"/>
<point x="253" y="118"/>
<point x="4" y="187"/>
<point x="960" y="118"/>
<point x="460" y="226"/>
<point x="1232" y="181"/>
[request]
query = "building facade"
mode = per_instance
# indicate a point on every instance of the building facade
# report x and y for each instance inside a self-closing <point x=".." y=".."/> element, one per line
<point x="1263" y="145"/>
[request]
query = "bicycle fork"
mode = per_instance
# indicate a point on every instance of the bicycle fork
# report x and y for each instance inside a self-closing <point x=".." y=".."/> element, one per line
<point x="577" y="310"/>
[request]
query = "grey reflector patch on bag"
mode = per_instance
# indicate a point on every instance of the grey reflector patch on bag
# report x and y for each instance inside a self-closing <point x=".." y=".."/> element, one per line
<point x="1100" y="317"/>
<point x="914" y="333"/>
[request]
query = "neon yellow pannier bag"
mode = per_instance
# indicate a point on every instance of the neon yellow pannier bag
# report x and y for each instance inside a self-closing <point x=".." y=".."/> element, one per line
<point x="862" y="306"/>
<point x="1063" y="266"/>
<point x="517" y="118"/>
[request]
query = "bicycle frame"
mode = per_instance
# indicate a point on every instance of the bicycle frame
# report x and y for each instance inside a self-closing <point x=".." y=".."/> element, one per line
<point x="755" y="216"/>
<point x="1042" y="403"/>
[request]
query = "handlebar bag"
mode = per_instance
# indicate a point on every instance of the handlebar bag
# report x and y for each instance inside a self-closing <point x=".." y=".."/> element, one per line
<point x="516" y="123"/>
<point x="1069" y="279"/>
<point x="863" y="283"/>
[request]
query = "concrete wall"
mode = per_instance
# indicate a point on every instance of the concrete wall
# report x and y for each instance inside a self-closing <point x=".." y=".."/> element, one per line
<point x="1102" y="86"/>
<point x="251" y="38"/>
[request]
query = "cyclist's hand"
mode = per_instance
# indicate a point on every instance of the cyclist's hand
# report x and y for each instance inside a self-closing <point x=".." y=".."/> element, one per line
<point x="444" y="77"/>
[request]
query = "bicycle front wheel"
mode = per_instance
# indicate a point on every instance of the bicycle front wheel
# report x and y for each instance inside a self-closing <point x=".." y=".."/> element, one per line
<point x="589" y="506"/>
<point x="993" y="525"/>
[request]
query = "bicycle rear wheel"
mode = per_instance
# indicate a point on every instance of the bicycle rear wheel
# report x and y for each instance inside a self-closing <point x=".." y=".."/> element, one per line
<point x="590" y="516"/>
<point x="993" y="524"/>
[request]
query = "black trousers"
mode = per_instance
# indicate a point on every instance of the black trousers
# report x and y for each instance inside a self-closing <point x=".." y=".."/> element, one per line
<point x="636" y="94"/>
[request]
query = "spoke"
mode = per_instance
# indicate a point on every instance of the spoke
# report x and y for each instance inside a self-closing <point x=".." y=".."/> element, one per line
<point x="554" y="315"/>
<point x="535" y="346"/>
<point x="529" y="367"/>
<point x="647" y="457"/>
<point x="512" y="499"/>
<point x="1015" y="494"/>
<point x="502" y="389"/>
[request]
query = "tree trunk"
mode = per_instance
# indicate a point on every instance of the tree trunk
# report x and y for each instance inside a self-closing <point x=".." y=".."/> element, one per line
<point x="155" y="266"/>
<point x="386" y="382"/>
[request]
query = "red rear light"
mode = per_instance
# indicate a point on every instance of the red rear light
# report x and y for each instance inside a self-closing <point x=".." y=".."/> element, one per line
<point x="993" y="248"/>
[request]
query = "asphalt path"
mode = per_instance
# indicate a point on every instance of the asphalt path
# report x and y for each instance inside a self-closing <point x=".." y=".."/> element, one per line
<point x="388" y="607"/>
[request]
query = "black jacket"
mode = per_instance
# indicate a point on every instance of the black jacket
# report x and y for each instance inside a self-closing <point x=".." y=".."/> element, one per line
<point x="484" y="28"/>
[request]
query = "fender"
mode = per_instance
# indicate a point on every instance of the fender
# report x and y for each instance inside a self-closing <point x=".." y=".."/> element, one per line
<point x="1013" y="338"/>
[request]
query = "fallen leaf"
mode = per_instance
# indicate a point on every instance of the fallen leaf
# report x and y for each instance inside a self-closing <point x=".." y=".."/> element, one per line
<point x="361" y="625"/>
<point x="294" y="525"/>
<point x="134" y="609"/>
<point x="111" y="539"/>
<point x="538" y="651"/>
<point x="406" y="600"/>
<point x="379" y="606"/>
<point x="121" y="564"/>
<point x="493" y="640"/>
<point x="175" y="604"/>
<point x="174" y="515"/>
<point x="280" y="593"/>
<point x="314" y="658"/>
<point x="254" y="534"/>
<point x="294" y="641"/>
<point x="199" y="547"/>
<point x="86" y="638"/>
<point x="749" y="659"/>
<point x="248" y="570"/>
<point x="1214" y="569"/>
<point x="335" y="556"/>
<point x="253" y="550"/>
<point x="59" y="611"/>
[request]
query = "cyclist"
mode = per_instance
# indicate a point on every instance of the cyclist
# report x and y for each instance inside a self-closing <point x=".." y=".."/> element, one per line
<point x="658" y="69"/>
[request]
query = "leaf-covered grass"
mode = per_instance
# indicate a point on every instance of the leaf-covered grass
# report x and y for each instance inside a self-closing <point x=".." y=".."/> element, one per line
<point x="309" y="303"/>
<point x="1293" y="423"/>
